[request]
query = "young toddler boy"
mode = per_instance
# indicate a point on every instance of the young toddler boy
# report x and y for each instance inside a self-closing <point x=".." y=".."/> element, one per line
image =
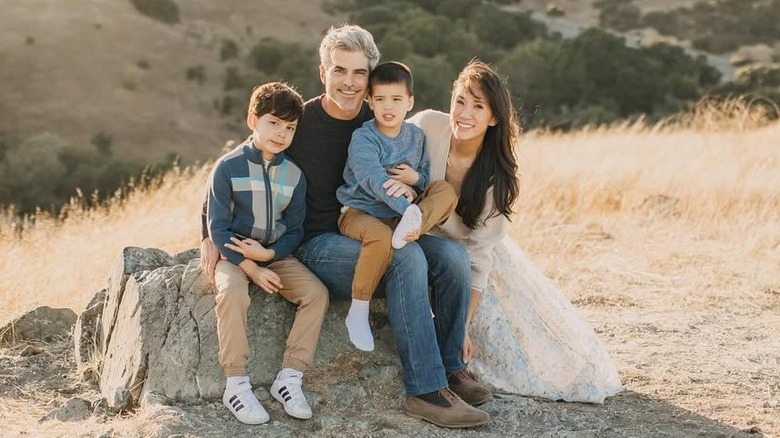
<point x="255" y="212"/>
<point x="383" y="148"/>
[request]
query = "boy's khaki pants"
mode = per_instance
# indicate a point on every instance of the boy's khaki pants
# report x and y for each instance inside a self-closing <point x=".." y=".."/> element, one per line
<point x="437" y="203"/>
<point x="300" y="287"/>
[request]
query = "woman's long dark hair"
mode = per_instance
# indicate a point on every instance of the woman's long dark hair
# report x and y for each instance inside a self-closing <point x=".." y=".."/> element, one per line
<point x="495" y="164"/>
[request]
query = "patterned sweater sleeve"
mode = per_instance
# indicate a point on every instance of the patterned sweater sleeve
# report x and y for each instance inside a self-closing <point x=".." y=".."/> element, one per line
<point x="481" y="241"/>
<point x="220" y="213"/>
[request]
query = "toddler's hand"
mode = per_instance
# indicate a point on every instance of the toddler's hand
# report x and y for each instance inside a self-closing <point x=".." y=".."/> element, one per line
<point x="404" y="173"/>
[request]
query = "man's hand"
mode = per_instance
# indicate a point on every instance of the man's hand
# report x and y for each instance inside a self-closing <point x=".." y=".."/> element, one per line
<point x="397" y="189"/>
<point x="209" y="256"/>
<point x="251" y="249"/>
<point x="404" y="173"/>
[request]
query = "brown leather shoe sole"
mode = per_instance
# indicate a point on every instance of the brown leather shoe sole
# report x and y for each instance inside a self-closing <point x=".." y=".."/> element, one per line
<point x="478" y="417"/>
<point x="481" y="401"/>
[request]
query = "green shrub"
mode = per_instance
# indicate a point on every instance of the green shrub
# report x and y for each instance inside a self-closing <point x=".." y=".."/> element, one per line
<point x="229" y="50"/>
<point x="165" y="11"/>
<point x="233" y="79"/>
<point x="103" y="143"/>
<point x="196" y="73"/>
<point x="267" y="54"/>
<point x="721" y="26"/>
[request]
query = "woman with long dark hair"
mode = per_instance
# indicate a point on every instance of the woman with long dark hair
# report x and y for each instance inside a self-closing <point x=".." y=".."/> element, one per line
<point x="522" y="334"/>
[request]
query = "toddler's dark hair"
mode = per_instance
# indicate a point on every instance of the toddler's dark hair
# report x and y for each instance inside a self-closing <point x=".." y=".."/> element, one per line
<point x="391" y="72"/>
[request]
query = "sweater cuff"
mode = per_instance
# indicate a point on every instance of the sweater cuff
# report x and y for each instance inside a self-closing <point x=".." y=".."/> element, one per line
<point x="479" y="279"/>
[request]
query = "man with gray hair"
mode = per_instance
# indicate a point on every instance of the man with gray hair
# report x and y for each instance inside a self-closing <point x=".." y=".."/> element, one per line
<point x="429" y="349"/>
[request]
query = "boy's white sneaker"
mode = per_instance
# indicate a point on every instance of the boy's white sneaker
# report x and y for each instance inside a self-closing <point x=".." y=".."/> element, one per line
<point x="241" y="401"/>
<point x="410" y="221"/>
<point x="287" y="389"/>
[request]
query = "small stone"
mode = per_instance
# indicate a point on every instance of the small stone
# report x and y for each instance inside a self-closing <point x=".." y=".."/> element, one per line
<point x="331" y="420"/>
<point x="262" y="394"/>
<point x="30" y="350"/>
<point x="75" y="409"/>
<point x="90" y="375"/>
<point x="348" y="394"/>
<point x="100" y="407"/>
<point x="123" y="400"/>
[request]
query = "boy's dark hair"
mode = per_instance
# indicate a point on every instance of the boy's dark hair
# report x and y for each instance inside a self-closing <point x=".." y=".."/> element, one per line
<point x="391" y="72"/>
<point x="278" y="99"/>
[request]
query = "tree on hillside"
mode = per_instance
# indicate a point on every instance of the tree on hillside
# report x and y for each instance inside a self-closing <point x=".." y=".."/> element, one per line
<point x="165" y="11"/>
<point x="503" y="30"/>
<point x="31" y="173"/>
<point x="432" y="81"/>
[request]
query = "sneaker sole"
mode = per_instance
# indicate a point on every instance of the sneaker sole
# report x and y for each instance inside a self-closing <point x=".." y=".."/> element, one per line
<point x="251" y="423"/>
<point x="450" y="426"/>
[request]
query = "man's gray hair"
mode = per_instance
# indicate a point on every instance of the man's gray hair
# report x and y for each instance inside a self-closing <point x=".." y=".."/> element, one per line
<point x="352" y="38"/>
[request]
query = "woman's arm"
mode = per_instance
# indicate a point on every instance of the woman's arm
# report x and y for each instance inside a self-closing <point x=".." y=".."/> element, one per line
<point x="482" y="241"/>
<point x="468" y="350"/>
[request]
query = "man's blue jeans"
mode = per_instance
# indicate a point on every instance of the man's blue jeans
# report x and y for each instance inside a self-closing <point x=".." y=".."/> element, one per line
<point x="427" y="346"/>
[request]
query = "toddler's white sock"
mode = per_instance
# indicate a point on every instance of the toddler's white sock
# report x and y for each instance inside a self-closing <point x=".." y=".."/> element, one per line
<point x="357" y="325"/>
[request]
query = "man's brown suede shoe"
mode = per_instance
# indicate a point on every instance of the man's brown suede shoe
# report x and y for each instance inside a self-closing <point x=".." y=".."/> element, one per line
<point x="454" y="412"/>
<point x="471" y="391"/>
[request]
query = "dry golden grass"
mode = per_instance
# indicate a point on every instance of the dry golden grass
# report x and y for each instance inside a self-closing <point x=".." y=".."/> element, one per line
<point x="667" y="237"/>
<point x="63" y="262"/>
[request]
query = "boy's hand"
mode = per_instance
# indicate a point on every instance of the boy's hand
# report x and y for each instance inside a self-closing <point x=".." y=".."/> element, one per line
<point x="265" y="278"/>
<point x="209" y="256"/>
<point x="397" y="189"/>
<point x="404" y="173"/>
<point x="251" y="249"/>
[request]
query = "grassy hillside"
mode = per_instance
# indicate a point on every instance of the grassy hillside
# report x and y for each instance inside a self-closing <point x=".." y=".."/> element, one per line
<point x="584" y="13"/>
<point x="75" y="69"/>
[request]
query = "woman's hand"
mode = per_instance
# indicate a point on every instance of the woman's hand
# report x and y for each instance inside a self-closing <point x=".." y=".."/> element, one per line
<point x="468" y="348"/>
<point x="397" y="189"/>
<point x="404" y="173"/>
<point x="251" y="249"/>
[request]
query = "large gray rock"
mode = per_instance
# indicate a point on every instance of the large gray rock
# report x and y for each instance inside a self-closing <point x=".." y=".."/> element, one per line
<point x="158" y="337"/>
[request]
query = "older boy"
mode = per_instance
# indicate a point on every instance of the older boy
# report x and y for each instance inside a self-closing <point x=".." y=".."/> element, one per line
<point x="256" y="207"/>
